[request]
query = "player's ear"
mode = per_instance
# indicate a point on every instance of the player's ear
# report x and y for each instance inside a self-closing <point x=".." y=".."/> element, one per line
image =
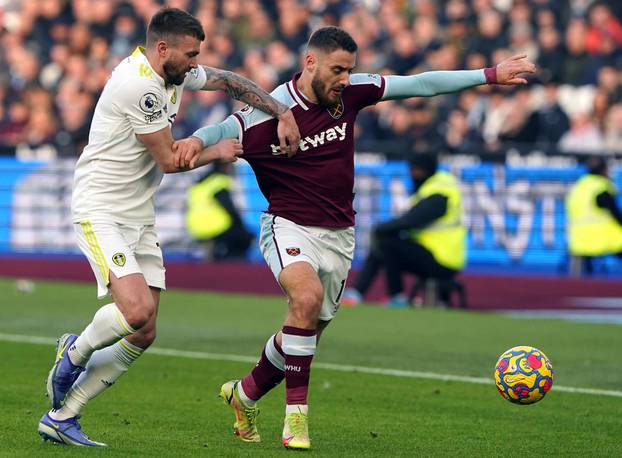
<point x="162" y="48"/>
<point x="310" y="61"/>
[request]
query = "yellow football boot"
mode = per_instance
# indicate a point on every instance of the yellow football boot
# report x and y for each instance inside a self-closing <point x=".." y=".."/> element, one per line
<point x="245" y="426"/>
<point x="296" y="432"/>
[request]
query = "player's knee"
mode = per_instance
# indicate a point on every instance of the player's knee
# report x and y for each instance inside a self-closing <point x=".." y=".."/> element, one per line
<point x="145" y="337"/>
<point x="306" y="305"/>
<point x="139" y="311"/>
<point x="307" y="300"/>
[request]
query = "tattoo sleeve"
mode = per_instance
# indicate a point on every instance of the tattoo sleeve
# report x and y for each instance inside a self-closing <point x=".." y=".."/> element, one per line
<point x="242" y="89"/>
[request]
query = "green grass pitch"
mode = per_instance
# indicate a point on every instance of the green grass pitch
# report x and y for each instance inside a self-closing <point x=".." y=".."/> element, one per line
<point x="168" y="405"/>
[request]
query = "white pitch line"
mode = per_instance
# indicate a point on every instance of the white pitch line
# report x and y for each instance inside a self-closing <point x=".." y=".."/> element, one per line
<point x="327" y="366"/>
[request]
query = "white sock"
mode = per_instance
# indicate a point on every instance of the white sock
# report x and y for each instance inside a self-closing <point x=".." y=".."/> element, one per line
<point x="297" y="408"/>
<point x="103" y="369"/>
<point x="248" y="402"/>
<point x="108" y="326"/>
<point x="273" y="355"/>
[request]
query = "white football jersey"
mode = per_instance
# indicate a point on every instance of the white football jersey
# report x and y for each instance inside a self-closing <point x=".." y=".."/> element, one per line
<point x="116" y="177"/>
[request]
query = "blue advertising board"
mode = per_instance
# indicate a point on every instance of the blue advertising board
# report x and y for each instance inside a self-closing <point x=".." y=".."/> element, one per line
<point x="514" y="214"/>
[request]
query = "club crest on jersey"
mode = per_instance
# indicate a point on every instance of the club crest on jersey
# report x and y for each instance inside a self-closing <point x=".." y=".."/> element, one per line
<point x="149" y="103"/>
<point x="292" y="251"/>
<point x="337" y="111"/>
<point x="118" y="259"/>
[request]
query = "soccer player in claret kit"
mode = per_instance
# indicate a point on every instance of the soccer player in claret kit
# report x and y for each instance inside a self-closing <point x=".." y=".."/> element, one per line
<point x="117" y="175"/>
<point x="307" y="234"/>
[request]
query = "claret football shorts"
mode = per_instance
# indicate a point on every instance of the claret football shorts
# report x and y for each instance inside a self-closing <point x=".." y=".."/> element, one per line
<point x="329" y="251"/>
<point x="120" y="249"/>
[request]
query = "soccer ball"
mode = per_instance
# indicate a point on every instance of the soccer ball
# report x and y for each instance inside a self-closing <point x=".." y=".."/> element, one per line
<point x="523" y="375"/>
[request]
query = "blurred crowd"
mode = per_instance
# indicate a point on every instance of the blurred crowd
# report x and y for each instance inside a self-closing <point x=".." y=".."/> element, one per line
<point x="56" y="55"/>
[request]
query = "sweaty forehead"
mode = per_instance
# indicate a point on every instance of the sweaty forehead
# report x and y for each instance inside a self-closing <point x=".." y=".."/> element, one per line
<point x="338" y="57"/>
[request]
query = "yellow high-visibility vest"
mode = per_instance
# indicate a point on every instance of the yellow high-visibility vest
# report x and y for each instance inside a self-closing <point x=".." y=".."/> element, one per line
<point x="206" y="218"/>
<point x="445" y="237"/>
<point x="591" y="230"/>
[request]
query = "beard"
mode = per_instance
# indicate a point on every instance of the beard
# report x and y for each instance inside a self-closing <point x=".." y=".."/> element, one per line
<point x="319" y="88"/>
<point x="172" y="75"/>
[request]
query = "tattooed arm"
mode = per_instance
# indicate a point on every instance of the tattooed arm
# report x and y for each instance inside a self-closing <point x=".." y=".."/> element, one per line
<point x="244" y="90"/>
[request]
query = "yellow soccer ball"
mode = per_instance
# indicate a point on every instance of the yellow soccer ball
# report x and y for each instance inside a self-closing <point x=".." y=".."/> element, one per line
<point x="523" y="375"/>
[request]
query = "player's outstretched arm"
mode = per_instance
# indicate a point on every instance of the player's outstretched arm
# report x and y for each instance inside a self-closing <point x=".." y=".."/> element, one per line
<point x="507" y="72"/>
<point x="160" y="145"/>
<point x="187" y="150"/>
<point x="245" y="90"/>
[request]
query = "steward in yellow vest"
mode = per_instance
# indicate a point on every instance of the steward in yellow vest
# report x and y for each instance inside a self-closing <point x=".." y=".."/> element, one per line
<point x="212" y="215"/>
<point x="594" y="220"/>
<point x="428" y="240"/>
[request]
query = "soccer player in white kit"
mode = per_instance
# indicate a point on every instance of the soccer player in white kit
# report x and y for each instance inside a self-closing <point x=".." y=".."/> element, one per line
<point x="116" y="178"/>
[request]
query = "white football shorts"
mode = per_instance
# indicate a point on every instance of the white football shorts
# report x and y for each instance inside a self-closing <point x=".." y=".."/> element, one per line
<point x="329" y="251"/>
<point x="121" y="249"/>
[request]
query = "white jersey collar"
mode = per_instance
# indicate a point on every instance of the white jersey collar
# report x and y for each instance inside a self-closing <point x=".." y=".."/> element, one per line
<point x="139" y="53"/>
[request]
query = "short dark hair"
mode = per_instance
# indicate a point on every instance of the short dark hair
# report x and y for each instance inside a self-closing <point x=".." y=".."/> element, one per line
<point x="170" y="22"/>
<point x="596" y="165"/>
<point x="425" y="161"/>
<point x="329" y="39"/>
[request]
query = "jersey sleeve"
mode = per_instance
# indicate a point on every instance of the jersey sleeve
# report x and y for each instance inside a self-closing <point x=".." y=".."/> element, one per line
<point x="142" y="104"/>
<point x="429" y="84"/>
<point x="195" y="79"/>
<point x="367" y="89"/>
<point x="249" y="117"/>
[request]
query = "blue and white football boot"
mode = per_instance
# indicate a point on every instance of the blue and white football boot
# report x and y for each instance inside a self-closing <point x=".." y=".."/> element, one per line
<point x="63" y="373"/>
<point x="67" y="432"/>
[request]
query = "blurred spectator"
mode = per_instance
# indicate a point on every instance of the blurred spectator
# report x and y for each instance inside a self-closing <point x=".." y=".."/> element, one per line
<point x="459" y="137"/>
<point x="579" y="66"/>
<point x="602" y="103"/>
<point x="13" y="128"/>
<point x="497" y="112"/>
<point x="553" y="121"/>
<point x="609" y="81"/>
<point x="403" y="57"/>
<point x="521" y="122"/>
<point x="127" y="31"/>
<point x="521" y="40"/>
<point x="282" y="61"/>
<point x="613" y="130"/>
<point x="37" y="144"/>
<point x="424" y="130"/>
<point x="551" y="55"/>
<point x="603" y="28"/>
<point x="583" y="136"/>
<point x="490" y="35"/>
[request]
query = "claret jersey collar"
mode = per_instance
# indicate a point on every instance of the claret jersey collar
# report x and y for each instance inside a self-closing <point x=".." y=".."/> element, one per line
<point x="298" y="96"/>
